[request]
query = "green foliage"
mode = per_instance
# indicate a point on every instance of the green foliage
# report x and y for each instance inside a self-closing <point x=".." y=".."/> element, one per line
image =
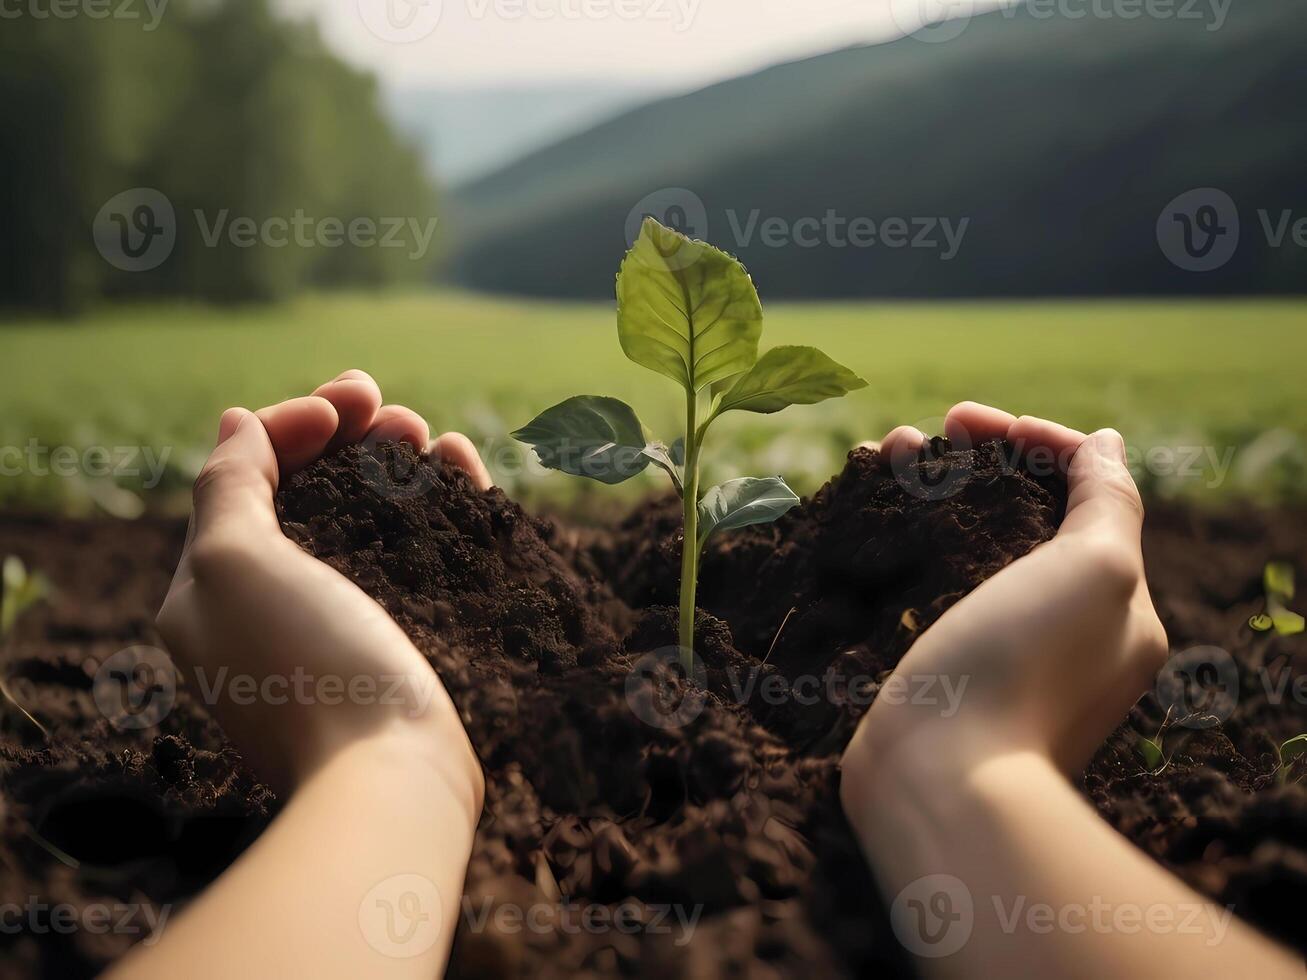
<point x="224" y="108"/>
<point x="591" y="436"/>
<point x="1150" y="752"/>
<point x="690" y="312"/>
<point x="1290" y="752"/>
<point x="1278" y="582"/>
<point x="787" y="376"/>
<point x="739" y="503"/>
<point x="21" y="591"/>
<point x="686" y="310"/>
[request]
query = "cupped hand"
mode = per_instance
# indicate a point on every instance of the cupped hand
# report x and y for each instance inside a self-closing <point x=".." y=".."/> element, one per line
<point x="294" y="660"/>
<point x="1053" y="650"/>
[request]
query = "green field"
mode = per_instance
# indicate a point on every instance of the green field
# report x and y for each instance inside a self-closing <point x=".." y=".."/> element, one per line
<point x="1221" y="375"/>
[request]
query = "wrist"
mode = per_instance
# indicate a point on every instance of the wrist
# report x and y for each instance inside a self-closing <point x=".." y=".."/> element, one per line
<point x="414" y="754"/>
<point x="912" y="798"/>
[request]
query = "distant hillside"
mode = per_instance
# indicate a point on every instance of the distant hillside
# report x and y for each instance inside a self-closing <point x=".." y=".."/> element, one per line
<point x="1060" y="142"/>
<point x="468" y="133"/>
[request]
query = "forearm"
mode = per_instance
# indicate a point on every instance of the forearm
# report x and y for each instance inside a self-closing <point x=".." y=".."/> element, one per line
<point x="360" y="875"/>
<point x="1053" y="890"/>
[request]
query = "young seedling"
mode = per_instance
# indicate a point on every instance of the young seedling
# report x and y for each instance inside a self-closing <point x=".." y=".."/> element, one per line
<point x="690" y="312"/>
<point x="18" y="593"/>
<point x="1150" y="749"/>
<point x="1277" y="580"/>
<point x="1290" y="752"/>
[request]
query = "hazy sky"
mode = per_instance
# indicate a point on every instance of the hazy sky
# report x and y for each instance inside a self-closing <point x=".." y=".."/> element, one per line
<point x="662" y="43"/>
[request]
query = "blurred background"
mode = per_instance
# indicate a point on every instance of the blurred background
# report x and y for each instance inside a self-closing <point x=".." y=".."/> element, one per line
<point x="1093" y="210"/>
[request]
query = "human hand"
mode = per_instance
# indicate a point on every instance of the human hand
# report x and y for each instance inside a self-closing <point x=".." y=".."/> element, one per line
<point x="247" y="602"/>
<point x="1055" y="648"/>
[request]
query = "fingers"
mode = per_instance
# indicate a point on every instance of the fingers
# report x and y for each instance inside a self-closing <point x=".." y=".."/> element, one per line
<point x="903" y="441"/>
<point x="357" y="399"/>
<point x="1045" y="443"/>
<point x="395" y="423"/>
<point x="1101" y="493"/>
<point x="299" y="430"/>
<point x="456" y="448"/>
<point x="970" y="423"/>
<point x="236" y="486"/>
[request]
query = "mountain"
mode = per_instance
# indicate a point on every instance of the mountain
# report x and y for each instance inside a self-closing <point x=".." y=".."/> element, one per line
<point x="468" y="133"/>
<point x="1051" y="146"/>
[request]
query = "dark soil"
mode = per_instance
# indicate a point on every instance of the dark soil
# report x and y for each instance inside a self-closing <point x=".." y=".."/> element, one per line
<point x="611" y="779"/>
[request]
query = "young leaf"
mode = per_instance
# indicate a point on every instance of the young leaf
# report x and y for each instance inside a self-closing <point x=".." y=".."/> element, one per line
<point x="19" y="592"/>
<point x="1278" y="578"/>
<point x="739" y="503"/>
<point x="591" y="436"/>
<point x="1262" y="623"/>
<point x="1150" y="752"/>
<point x="787" y="376"/>
<point x="666" y="460"/>
<point x="1286" y="621"/>
<point x="1292" y="749"/>
<point x="685" y="309"/>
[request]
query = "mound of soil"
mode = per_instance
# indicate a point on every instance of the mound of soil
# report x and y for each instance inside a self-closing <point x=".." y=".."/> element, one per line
<point x="612" y="780"/>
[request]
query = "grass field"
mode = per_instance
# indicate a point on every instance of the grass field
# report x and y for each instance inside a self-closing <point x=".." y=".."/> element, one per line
<point x="1224" y="377"/>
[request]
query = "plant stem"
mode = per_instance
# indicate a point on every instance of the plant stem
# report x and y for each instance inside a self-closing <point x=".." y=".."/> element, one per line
<point x="690" y="548"/>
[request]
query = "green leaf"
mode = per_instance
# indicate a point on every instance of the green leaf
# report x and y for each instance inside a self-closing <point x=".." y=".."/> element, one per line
<point x="20" y="592"/>
<point x="787" y="376"/>
<point x="1278" y="578"/>
<point x="685" y="309"/>
<point x="666" y="460"/>
<point x="1292" y="749"/>
<point x="1286" y="621"/>
<point x="1262" y="623"/>
<point x="591" y="436"/>
<point x="739" y="503"/>
<point x="1150" y="752"/>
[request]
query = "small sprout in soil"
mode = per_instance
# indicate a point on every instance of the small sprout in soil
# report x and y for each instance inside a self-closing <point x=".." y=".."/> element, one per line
<point x="689" y="312"/>
<point x="1290" y="752"/>
<point x="1150" y="749"/>
<point x="1278" y="583"/>
<point x="19" y="591"/>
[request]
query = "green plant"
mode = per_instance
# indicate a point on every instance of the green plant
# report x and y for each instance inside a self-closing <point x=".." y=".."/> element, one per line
<point x="1150" y="749"/>
<point x="689" y="312"/>
<point x="1292" y="750"/>
<point x="19" y="591"/>
<point x="1277" y="580"/>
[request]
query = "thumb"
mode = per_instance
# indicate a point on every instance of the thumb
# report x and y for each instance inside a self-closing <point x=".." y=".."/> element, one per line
<point x="1102" y="495"/>
<point x="236" y="486"/>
